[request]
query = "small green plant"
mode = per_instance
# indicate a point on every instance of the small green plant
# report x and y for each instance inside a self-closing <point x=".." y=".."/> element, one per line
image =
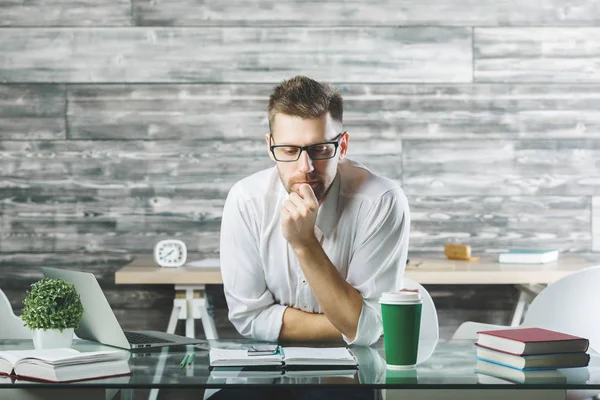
<point x="52" y="304"/>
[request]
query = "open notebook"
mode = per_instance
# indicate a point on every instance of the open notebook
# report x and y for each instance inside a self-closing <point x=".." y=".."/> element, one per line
<point x="286" y="358"/>
<point x="62" y="365"/>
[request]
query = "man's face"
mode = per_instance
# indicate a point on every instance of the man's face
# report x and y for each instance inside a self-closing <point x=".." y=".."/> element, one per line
<point x="296" y="131"/>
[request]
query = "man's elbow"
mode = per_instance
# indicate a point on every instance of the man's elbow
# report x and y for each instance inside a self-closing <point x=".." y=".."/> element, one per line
<point x="366" y="341"/>
<point x="255" y="325"/>
<point x="242" y="324"/>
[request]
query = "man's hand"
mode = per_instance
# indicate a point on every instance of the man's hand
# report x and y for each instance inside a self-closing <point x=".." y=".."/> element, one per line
<point x="298" y="217"/>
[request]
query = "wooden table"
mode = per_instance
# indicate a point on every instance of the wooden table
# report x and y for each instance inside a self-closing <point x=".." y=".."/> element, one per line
<point x="190" y="302"/>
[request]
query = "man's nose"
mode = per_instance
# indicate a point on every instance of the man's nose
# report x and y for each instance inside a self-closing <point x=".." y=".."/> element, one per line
<point x="305" y="163"/>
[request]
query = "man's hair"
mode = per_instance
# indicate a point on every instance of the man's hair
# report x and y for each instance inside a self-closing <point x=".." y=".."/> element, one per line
<point x="305" y="98"/>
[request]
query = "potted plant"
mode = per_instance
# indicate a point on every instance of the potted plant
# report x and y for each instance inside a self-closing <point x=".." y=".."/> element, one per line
<point x="52" y="310"/>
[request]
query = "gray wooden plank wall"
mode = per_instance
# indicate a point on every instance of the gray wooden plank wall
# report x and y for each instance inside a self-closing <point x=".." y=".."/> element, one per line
<point x="124" y="122"/>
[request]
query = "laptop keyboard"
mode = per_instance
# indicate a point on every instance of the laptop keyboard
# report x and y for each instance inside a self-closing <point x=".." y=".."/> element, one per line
<point x="140" y="338"/>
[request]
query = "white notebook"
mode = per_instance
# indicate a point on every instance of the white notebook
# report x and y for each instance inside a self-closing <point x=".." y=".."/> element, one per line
<point x="62" y="365"/>
<point x="333" y="357"/>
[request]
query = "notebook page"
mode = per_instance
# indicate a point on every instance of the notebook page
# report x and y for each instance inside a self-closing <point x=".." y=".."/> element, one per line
<point x="332" y="355"/>
<point x="49" y="355"/>
<point x="240" y="357"/>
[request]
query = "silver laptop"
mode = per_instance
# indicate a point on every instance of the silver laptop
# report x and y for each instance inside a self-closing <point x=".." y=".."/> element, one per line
<point x="99" y="322"/>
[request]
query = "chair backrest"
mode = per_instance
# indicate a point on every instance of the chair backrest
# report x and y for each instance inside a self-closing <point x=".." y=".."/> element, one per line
<point x="11" y="326"/>
<point x="570" y="305"/>
<point x="430" y="328"/>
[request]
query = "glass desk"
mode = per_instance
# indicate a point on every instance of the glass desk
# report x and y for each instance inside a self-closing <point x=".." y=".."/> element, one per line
<point x="451" y="367"/>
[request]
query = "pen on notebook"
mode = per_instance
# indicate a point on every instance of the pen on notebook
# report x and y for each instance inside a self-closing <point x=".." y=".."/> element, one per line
<point x="191" y="359"/>
<point x="182" y="364"/>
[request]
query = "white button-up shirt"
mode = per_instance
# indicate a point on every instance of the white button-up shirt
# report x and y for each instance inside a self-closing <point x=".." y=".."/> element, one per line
<point x="363" y="226"/>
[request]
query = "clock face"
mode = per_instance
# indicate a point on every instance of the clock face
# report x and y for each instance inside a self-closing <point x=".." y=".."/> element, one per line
<point x="170" y="253"/>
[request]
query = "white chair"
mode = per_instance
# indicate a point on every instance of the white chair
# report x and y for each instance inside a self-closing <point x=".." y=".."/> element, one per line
<point x="568" y="305"/>
<point x="11" y="326"/>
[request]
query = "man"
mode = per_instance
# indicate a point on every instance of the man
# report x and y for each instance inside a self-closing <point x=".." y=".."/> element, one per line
<point x="308" y="246"/>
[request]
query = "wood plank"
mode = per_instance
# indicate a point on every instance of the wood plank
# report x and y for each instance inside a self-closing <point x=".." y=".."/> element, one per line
<point x="495" y="223"/>
<point x="98" y="224"/>
<point x="380" y="112"/>
<point x="169" y="112"/>
<point x="501" y="167"/>
<point x="559" y="54"/>
<point x="33" y="112"/>
<point x="118" y="214"/>
<point x="22" y="269"/>
<point x="34" y="13"/>
<point x="595" y="223"/>
<point x="386" y="54"/>
<point x="205" y="241"/>
<point x="381" y="12"/>
<point x="129" y="165"/>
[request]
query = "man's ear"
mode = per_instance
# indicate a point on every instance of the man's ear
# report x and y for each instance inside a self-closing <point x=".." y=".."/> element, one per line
<point x="344" y="144"/>
<point x="267" y="137"/>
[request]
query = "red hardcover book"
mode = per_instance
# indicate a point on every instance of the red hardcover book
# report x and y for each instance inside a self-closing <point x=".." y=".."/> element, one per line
<point x="525" y="341"/>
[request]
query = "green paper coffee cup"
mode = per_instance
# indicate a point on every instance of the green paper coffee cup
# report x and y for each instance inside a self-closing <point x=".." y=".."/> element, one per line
<point x="401" y="315"/>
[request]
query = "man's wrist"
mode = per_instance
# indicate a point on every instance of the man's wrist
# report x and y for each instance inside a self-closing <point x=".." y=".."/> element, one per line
<point x="306" y="247"/>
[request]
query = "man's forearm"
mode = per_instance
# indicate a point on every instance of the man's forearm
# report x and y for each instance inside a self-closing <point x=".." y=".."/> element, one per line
<point x="341" y="303"/>
<point x="302" y="326"/>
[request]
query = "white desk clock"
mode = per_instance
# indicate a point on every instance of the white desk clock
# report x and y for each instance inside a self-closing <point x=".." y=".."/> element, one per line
<point x="170" y="253"/>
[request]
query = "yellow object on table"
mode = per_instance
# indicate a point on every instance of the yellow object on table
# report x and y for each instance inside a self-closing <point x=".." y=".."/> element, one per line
<point x="459" y="252"/>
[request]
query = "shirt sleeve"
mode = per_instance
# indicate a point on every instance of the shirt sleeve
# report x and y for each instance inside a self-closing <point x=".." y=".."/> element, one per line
<point x="252" y="308"/>
<point x="378" y="260"/>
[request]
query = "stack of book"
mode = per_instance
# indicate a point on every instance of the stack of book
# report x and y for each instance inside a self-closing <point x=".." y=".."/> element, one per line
<point x="525" y="355"/>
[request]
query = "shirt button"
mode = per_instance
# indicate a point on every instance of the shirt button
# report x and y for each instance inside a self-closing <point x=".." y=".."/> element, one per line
<point x="304" y="281"/>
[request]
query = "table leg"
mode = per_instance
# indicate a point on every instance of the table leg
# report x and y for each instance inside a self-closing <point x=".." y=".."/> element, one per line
<point x="174" y="318"/>
<point x="190" y="305"/>
<point x="519" y="309"/>
<point x="210" y="330"/>
<point x="526" y="295"/>
<point x="190" y="329"/>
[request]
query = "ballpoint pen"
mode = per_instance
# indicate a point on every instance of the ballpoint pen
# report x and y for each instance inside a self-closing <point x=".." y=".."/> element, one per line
<point x="191" y="359"/>
<point x="184" y="361"/>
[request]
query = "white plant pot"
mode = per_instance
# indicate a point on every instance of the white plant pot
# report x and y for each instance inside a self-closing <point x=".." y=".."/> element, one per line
<point x="52" y="338"/>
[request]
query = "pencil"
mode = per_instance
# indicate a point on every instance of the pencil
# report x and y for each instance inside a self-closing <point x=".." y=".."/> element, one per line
<point x="182" y="364"/>
<point x="191" y="359"/>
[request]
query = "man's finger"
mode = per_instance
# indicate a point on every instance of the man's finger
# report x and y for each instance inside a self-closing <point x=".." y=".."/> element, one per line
<point x="309" y="195"/>
<point x="299" y="203"/>
<point x="291" y="209"/>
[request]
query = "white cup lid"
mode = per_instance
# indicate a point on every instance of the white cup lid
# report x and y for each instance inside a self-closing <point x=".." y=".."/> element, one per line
<point x="401" y="296"/>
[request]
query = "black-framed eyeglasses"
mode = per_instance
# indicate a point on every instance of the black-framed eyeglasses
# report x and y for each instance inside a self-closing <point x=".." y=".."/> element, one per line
<point x="317" y="151"/>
